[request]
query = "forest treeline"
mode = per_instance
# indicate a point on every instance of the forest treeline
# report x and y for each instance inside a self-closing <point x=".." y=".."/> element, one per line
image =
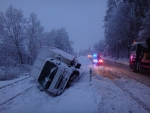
<point x="21" y="37"/>
<point x="126" y="21"/>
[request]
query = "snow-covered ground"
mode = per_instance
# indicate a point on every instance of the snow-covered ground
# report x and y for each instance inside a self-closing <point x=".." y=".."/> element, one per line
<point x="100" y="95"/>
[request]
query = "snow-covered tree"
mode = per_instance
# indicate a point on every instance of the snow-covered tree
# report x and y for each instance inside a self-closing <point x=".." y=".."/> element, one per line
<point x="123" y="21"/>
<point x="62" y="40"/>
<point x="12" y="34"/>
<point x="100" y="46"/>
<point x="49" y="38"/>
<point x="21" y="38"/>
<point x="34" y="33"/>
<point x="145" y="28"/>
<point x="59" y="38"/>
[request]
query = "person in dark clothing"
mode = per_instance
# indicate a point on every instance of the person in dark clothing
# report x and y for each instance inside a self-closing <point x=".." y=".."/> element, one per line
<point x="138" y="52"/>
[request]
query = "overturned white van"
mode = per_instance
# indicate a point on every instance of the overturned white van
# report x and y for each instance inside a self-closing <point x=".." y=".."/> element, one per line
<point x="54" y="69"/>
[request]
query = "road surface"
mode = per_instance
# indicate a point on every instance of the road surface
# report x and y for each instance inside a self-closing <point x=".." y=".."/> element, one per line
<point x="114" y="70"/>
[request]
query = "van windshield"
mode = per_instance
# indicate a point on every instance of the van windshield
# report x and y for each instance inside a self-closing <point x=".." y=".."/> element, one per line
<point x="47" y="74"/>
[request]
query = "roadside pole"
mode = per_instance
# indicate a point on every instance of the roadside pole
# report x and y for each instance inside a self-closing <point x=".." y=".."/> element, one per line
<point x="90" y="76"/>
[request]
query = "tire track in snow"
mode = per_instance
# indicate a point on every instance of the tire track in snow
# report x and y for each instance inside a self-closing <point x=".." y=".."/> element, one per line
<point x="136" y="99"/>
<point x="104" y="72"/>
<point x="14" y="89"/>
<point x="15" y="81"/>
<point x="113" y="77"/>
<point x="11" y="98"/>
<point x="136" y="76"/>
<point x="127" y="73"/>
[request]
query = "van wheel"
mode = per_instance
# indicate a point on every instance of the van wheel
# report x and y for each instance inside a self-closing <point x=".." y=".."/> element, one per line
<point x="73" y="76"/>
<point x="76" y="72"/>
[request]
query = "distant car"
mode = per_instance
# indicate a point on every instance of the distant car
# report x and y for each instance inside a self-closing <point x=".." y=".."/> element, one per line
<point x="97" y="60"/>
<point x="89" y="56"/>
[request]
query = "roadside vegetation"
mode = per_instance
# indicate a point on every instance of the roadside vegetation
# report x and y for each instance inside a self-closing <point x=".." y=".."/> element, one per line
<point x="21" y="38"/>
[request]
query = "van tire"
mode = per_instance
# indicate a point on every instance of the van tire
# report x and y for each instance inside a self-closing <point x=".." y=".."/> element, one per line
<point x="73" y="76"/>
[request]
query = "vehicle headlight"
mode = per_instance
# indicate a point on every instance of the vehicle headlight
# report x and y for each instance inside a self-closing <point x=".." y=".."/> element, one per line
<point x="95" y="60"/>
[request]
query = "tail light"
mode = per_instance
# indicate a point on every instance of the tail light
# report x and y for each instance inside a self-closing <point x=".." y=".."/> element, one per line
<point x="100" y="61"/>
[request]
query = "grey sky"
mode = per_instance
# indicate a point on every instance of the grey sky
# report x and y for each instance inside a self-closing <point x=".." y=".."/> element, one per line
<point x="83" y="19"/>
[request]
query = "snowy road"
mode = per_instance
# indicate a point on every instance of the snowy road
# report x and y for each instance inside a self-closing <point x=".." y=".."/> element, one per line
<point x="119" y="70"/>
<point x="121" y="80"/>
<point x="109" y="91"/>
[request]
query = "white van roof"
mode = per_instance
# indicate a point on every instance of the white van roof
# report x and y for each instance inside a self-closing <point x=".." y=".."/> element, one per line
<point x="60" y="52"/>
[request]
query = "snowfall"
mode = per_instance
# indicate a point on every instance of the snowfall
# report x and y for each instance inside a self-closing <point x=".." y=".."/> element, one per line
<point x="96" y="95"/>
